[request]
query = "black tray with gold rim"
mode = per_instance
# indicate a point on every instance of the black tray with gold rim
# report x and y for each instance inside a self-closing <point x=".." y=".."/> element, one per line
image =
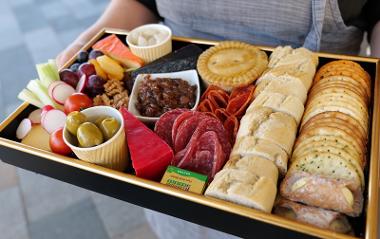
<point x="214" y="213"/>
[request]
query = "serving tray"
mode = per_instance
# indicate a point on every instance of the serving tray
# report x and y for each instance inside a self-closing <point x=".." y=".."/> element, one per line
<point x="214" y="213"/>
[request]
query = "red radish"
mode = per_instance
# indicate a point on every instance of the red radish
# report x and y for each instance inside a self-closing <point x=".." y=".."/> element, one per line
<point x="53" y="120"/>
<point x="24" y="128"/>
<point x="61" y="92"/>
<point x="81" y="86"/>
<point x="52" y="86"/>
<point x="35" y="116"/>
<point x="45" y="109"/>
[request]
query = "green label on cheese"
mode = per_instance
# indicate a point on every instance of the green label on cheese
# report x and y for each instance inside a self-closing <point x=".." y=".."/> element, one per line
<point x="184" y="179"/>
<point x="172" y="169"/>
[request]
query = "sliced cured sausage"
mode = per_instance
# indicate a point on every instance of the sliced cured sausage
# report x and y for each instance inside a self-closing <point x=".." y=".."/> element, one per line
<point x="163" y="127"/>
<point x="206" y="157"/>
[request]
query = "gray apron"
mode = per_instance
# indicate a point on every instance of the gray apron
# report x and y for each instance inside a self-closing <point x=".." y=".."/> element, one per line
<point x="314" y="24"/>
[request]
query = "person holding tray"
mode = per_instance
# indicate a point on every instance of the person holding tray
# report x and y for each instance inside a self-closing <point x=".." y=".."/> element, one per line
<point x="335" y="26"/>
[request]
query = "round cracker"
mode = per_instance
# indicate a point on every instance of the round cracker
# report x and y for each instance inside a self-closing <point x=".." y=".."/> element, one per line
<point x="347" y="80"/>
<point x="343" y="126"/>
<point x="348" y="64"/>
<point x="351" y="122"/>
<point x="327" y="96"/>
<point x="328" y="165"/>
<point x="338" y="84"/>
<point x="326" y="103"/>
<point x="327" y="142"/>
<point x="338" y="88"/>
<point x="327" y="148"/>
<point x="307" y="138"/>
<point x="326" y="130"/>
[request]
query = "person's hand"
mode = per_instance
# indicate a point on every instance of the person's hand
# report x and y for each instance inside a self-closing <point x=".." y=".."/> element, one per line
<point x="68" y="53"/>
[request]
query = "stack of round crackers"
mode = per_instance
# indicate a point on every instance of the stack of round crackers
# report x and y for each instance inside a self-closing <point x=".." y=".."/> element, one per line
<point x="328" y="159"/>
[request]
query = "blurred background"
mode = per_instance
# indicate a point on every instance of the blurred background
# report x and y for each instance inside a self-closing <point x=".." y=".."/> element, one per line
<point x="33" y="206"/>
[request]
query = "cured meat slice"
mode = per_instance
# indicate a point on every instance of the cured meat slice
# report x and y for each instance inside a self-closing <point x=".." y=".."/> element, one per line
<point x="211" y="88"/>
<point x="239" y="100"/>
<point x="178" y="121"/>
<point x="186" y="129"/>
<point x="218" y="98"/>
<point x="207" y="155"/>
<point x="222" y="114"/>
<point x="206" y="106"/>
<point x="242" y="91"/>
<point x="163" y="127"/>
<point x="208" y="124"/>
<point x="231" y="124"/>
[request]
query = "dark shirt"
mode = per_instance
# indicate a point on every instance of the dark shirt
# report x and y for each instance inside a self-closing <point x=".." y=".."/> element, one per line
<point x="360" y="13"/>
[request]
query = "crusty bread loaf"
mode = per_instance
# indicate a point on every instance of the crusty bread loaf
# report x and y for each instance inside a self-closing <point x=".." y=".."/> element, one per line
<point x="254" y="164"/>
<point x="278" y="102"/>
<point x="284" y="84"/>
<point x="245" y="188"/>
<point x="315" y="216"/>
<point x="251" y="146"/>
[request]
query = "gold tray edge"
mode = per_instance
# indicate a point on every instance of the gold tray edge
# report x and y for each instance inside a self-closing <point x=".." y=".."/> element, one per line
<point x="219" y="204"/>
<point x="158" y="187"/>
<point x="373" y="184"/>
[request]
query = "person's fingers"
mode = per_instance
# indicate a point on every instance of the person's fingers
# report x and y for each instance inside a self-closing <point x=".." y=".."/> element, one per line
<point x="67" y="54"/>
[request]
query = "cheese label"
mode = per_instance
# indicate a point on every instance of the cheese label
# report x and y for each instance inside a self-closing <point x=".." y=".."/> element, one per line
<point x="184" y="179"/>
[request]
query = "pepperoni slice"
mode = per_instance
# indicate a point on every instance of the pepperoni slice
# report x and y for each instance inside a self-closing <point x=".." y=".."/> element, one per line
<point x="231" y="124"/>
<point x="222" y="114"/>
<point x="218" y="98"/>
<point x="239" y="100"/>
<point x="211" y="88"/>
<point x="206" y="106"/>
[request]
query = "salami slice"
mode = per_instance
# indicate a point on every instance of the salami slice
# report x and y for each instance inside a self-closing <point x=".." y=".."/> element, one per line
<point x="207" y="156"/>
<point x="231" y="124"/>
<point x="164" y="125"/>
<point x="209" y="124"/>
<point x="184" y="131"/>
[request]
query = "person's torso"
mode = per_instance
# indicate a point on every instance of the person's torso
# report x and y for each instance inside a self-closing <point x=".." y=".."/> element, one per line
<point x="316" y="24"/>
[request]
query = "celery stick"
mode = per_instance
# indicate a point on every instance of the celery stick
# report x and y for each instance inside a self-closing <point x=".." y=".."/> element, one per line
<point x="47" y="74"/>
<point x="28" y="96"/>
<point x="40" y="91"/>
<point x="54" y="67"/>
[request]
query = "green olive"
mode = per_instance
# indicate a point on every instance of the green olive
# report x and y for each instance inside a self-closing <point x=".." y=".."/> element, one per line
<point x="109" y="126"/>
<point x="99" y="120"/>
<point x="73" y="120"/>
<point x="89" y="135"/>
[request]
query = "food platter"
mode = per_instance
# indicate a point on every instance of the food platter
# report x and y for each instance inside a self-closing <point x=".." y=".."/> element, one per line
<point x="207" y="211"/>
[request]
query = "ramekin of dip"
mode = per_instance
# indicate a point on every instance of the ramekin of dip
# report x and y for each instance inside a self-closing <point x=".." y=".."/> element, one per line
<point x="150" y="41"/>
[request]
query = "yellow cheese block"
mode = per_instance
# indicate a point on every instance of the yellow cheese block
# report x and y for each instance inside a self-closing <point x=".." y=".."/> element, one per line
<point x="38" y="137"/>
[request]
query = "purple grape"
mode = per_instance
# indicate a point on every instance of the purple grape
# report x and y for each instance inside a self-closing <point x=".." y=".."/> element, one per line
<point x="74" y="67"/>
<point x="69" y="77"/>
<point x="94" y="54"/>
<point x="82" y="56"/>
<point x="87" y="69"/>
<point x="95" y="85"/>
